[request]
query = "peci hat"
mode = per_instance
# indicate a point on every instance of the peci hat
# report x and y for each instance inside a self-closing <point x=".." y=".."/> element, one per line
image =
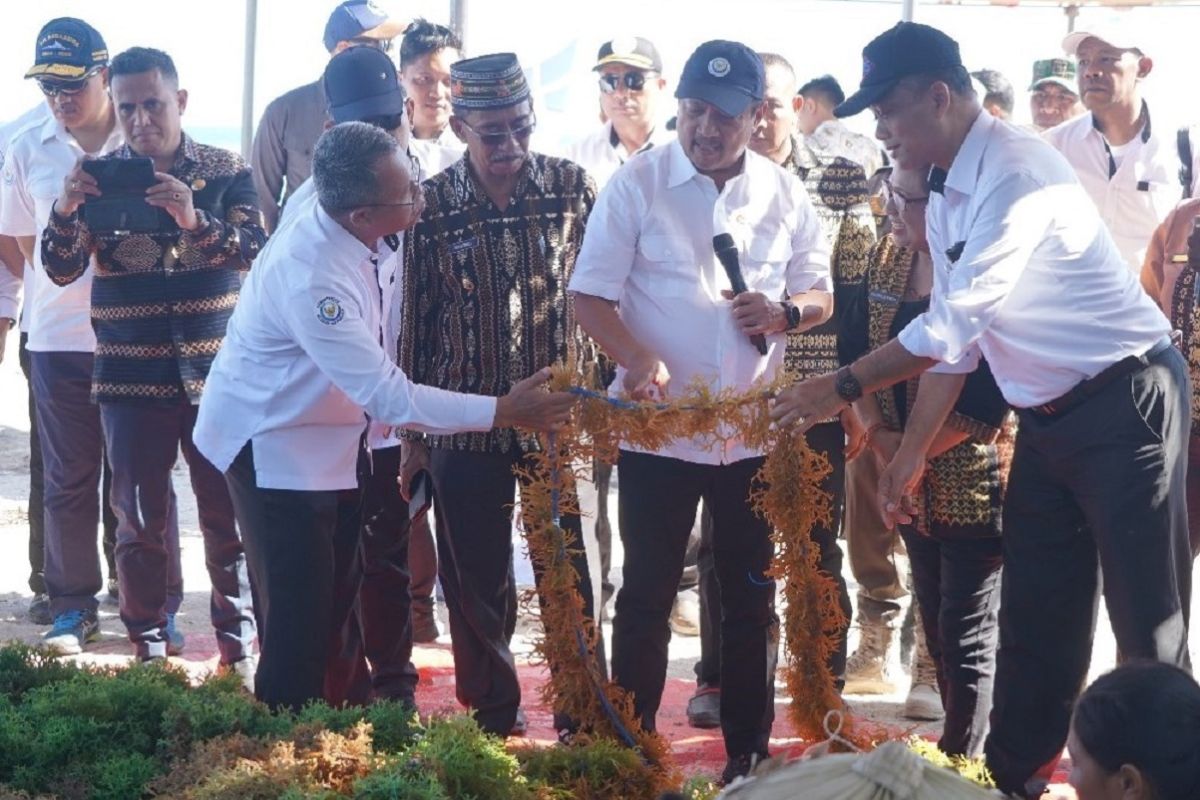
<point x="491" y="81"/>
<point x="361" y="83"/>
<point x="633" y="51"/>
<point x="359" y="19"/>
<point x="67" y="49"/>
<point x="1059" y="71"/>
<point x="729" y="75"/>
<point x="908" y="48"/>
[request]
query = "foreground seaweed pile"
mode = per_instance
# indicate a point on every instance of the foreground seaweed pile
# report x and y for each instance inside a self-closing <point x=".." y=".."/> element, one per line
<point x="113" y="734"/>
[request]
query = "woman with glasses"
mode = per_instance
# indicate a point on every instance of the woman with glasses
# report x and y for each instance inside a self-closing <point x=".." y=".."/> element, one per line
<point x="954" y="540"/>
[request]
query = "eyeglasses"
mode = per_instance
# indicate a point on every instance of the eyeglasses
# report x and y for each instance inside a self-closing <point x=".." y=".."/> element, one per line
<point x="414" y="169"/>
<point x="53" y="88"/>
<point x="385" y="45"/>
<point x="634" y="81"/>
<point x="899" y="200"/>
<point x="497" y="138"/>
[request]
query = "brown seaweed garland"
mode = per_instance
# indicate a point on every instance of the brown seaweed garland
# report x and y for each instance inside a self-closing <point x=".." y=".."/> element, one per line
<point x="787" y="493"/>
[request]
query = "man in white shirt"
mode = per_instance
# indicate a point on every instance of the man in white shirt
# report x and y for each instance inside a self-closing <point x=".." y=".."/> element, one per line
<point x="426" y="53"/>
<point x="649" y="289"/>
<point x="71" y="69"/>
<point x="1026" y="275"/>
<point x="301" y="374"/>
<point x="629" y="70"/>
<point x="1129" y="167"/>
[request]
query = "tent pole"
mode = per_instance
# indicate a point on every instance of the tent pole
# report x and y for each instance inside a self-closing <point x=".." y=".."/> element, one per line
<point x="907" y="7"/>
<point x="458" y="22"/>
<point x="251" y="39"/>
<point x="1072" y="13"/>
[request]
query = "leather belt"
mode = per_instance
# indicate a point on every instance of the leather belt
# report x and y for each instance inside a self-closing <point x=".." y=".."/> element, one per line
<point x="1089" y="388"/>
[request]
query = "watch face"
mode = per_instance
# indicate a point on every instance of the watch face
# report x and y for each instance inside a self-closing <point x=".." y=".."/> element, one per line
<point x="793" y="316"/>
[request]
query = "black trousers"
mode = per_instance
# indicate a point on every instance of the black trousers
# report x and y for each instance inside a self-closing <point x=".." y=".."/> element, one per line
<point x="305" y="558"/>
<point x="384" y="598"/>
<point x="1095" y="495"/>
<point x="144" y="442"/>
<point x="657" y="506"/>
<point x="37" y="515"/>
<point x="473" y="493"/>
<point x="957" y="584"/>
<point x="828" y="438"/>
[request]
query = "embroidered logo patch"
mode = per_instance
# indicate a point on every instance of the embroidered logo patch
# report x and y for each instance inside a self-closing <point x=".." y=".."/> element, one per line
<point x="329" y="311"/>
<point x="718" y="67"/>
<point x="624" y="45"/>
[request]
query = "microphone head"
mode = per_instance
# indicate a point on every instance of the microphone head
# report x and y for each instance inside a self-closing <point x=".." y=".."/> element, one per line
<point x="723" y="241"/>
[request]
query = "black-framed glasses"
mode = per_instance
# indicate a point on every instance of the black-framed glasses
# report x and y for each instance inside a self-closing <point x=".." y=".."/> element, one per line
<point x="497" y="138"/>
<point x="53" y="88"/>
<point x="634" y="81"/>
<point x="900" y="200"/>
<point x="414" y="169"/>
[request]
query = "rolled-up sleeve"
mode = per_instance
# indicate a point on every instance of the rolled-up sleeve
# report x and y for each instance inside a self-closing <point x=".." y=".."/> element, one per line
<point x="328" y="323"/>
<point x="610" y="241"/>
<point x="967" y="294"/>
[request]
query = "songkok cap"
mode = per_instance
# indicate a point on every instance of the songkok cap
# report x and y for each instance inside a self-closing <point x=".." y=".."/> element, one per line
<point x="361" y="83"/>
<point x="909" y="48"/>
<point x="1109" y="34"/>
<point x="728" y="75"/>
<point x="491" y="81"/>
<point x="67" y="49"/>
<point x="1060" y="71"/>
<point x="633" y="51"/>
<point x="360" y="19"/>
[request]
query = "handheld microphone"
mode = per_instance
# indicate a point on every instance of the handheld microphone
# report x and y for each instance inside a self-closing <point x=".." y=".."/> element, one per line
<point x="727" y="254"/>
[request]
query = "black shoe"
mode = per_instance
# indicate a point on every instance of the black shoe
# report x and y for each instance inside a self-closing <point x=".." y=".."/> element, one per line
<point x="741" y="766"/>
<point x="39" y="609"/>
<point x="704" y="708"/>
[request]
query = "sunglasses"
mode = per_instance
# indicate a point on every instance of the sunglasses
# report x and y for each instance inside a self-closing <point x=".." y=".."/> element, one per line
<point x="634" y="81"/>
<point x="53" y="88"/>
<point x="497" y="138"/>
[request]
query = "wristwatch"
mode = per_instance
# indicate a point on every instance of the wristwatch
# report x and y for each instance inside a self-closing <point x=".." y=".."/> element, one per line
<point x="793" y="314"/>
<point x="847" y="386"/>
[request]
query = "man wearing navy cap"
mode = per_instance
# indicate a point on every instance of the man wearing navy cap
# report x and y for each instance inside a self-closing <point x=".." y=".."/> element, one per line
<point x="1027" y="276"/>
<point x="649" y="289"/>
<point x="292" y="123"/>
<point x="71" y="68"/>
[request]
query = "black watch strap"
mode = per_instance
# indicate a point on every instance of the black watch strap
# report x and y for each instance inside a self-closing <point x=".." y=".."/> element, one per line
<point x="793" y="314"/>
<point x="848" y="387"/>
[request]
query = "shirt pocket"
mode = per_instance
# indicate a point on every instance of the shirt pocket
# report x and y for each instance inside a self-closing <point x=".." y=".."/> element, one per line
<point x="767" y="256"/>
<point x="671" y="263"/>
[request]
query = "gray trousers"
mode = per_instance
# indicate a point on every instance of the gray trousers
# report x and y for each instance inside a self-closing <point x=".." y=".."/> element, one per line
<point x="144" y="442"/>
<point x="1096" y="497"/>
<point x="72" y="449"/>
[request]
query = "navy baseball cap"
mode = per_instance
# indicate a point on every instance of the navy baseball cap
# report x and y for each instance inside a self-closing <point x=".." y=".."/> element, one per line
<point x="909" y="48"/>
<point x="358" y="19"/>
<point x="361" y="83"/>
<point x="67" y="49"/>
<point x="728" y="75"/>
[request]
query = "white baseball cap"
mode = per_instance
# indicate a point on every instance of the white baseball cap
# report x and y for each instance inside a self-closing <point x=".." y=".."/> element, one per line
<point x="1109" y="34"/>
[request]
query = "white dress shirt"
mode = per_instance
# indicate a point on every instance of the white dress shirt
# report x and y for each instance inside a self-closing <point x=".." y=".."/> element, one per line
<point x="598" y="154"/>
<point x="38" y="160"/>
<point x="1142" y="191"/>
<point x="303" y="367"/>
<point x="649" y="247"/>
<point x="434" y="155"/>
<point x="10" y="285"/>
<point x="1039" y="287"/>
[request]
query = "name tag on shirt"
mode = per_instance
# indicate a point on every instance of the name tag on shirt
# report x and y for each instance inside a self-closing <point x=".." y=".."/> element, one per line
<point x="884" y="298"/>
<point x="463" y="245"/>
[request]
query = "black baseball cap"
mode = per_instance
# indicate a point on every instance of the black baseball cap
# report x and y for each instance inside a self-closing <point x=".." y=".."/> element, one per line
<point x="67" y="49"/>
<point x="909" y="48"/>
<point x="356" y="19"/>
<point x="361" y="83"/>
<point x="728" y="75"/>
<point x="633" y="51"/>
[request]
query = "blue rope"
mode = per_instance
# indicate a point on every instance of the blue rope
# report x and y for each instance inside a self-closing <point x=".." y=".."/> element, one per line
<point x="580" y="640"/>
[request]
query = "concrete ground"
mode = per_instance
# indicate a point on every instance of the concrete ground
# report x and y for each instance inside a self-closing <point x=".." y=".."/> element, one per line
<point x="200" y="655"/>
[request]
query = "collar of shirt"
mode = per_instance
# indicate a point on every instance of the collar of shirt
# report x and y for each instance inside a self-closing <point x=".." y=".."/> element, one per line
<point x="963" y="175"/>
<point x="470" y="191"/>
<point x="54" y="129"/>
<point x="185" y="155"/>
